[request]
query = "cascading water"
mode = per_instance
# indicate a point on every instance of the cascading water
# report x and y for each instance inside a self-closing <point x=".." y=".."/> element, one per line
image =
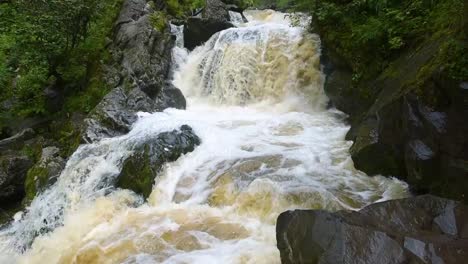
<point x="255" y="99"/>
<point x="236" y="18"/>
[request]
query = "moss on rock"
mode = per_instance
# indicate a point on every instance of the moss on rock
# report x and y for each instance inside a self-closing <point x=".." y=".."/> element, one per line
<point x="138" y="173"/>
<point x="142" y="167"/>
<point x="44" y="172"/>
<point x="36" y="179"/>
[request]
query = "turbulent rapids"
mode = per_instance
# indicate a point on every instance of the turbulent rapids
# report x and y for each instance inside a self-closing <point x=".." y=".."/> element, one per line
<point x="269" y="144"/>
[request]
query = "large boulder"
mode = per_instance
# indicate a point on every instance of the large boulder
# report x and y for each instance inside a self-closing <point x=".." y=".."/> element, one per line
<point x="13" y="169"/>
<point x="115" y="114"/>
<point x="142" y="52"/>
<point x="199" y="30"/>
<point x="142" y="56"/>
<point x="141" y="168"/>
<point x="424" y="229"/>
<point x="215" y="18"/>
<point x="216" y="10"/>
<point x="408" y="122"/>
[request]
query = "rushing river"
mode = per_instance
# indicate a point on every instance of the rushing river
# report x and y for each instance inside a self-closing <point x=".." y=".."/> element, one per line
<point x="269" y="144"/>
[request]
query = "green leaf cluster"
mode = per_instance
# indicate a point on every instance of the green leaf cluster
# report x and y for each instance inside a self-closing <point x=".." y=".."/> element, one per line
<point x="56" y="43"/>
<point x="369" y="34"/>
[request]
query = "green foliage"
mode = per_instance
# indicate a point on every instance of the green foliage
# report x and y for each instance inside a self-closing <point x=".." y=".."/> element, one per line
<point x="138" y="173"/>
<point x="281" y="4"/>
<point x="84" y="70"/>
<point x="69" y="137"/>
<point x="182" y="8"/>
<point x="56" y="43"/>
<point x="370" y="34"/>
<point x="32" y="151"/>
<point x="36" y="179"/>
<point x="159" y="20"/>
<point x="6" y="42"/>
<point x="457" y="58"/>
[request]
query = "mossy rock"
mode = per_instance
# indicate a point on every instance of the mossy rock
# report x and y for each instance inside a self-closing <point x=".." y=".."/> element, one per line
<point x="138" y="173"/>
<point x="43" y="173"/>
<point x="142" y="167"/>
<point x="36" y="179"/>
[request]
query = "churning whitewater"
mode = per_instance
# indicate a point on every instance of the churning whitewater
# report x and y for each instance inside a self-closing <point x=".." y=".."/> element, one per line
<point x="255" y="98"/>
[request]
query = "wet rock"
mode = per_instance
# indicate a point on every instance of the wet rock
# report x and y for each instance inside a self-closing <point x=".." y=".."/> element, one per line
<point x="141" y="168"/>
<point x="338" y="84"/>
<point x="215" y="18"/>
<point x="171" y="97"/>
<point x="424" y="229"/>
<point x="13" y="169"/>
<point x="45" y="172"/>
<point x="143" y="52"/>
<point x="110" y="117"/>
<point x="414" y="132"/>
<point x="115" y="114"/>
<point x="216" y="10"/>
<point x="142" y="56"/>
<point x="199" y="30"/>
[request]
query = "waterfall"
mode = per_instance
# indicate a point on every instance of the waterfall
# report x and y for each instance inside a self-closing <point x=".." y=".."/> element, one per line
<point x="236" y="18"/>
<point x="255" y="98"/>
<point x="179" y="53"/>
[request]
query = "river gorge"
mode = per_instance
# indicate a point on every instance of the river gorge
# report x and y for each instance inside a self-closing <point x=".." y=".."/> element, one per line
<point x="268" y="144"/>
<point x="256" y="138"/>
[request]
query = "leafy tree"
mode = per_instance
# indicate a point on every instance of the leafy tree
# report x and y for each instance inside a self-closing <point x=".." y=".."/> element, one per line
<point x="53" y="28"/>
<point x="50" y="42"/>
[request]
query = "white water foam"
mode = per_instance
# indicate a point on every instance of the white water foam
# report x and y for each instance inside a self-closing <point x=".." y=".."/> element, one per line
<point x="255" y="99"/>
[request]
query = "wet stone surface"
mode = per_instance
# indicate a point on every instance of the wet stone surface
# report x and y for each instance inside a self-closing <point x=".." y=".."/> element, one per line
<point x="423" y="229"/>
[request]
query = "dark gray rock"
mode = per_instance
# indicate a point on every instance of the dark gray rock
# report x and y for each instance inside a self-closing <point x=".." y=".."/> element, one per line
<point x="115" y="114"/>
<point x="141" y="168"/>
<point x="338" y="84"/>
<point x="141" y="51"/>
<point x="216" y="10"/>
<point x="110" y="118"/>
<point x="215" y="18"/>
<point x="142" y="56"/>
<point x="414" y="132"/>
<point x="199" y="30"/>
<point x="13" y="169"/>
<point x="16" y="141"/>
<point x="424" y="229"/>
<point x="171" y="97"/>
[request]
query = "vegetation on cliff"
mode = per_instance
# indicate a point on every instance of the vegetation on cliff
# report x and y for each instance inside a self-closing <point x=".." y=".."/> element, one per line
<point x="370" y="34"/>
<point x="60" y="58"/>
<point x="56" y="44"/>
<point x="399" y="69"/>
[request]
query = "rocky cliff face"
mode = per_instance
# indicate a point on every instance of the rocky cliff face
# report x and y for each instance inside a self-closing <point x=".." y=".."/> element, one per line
<point x="137" y="74"/>
<point x="423" y="229"/>
<point x="142" y="56"/>
<point x="408" y="121"/>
